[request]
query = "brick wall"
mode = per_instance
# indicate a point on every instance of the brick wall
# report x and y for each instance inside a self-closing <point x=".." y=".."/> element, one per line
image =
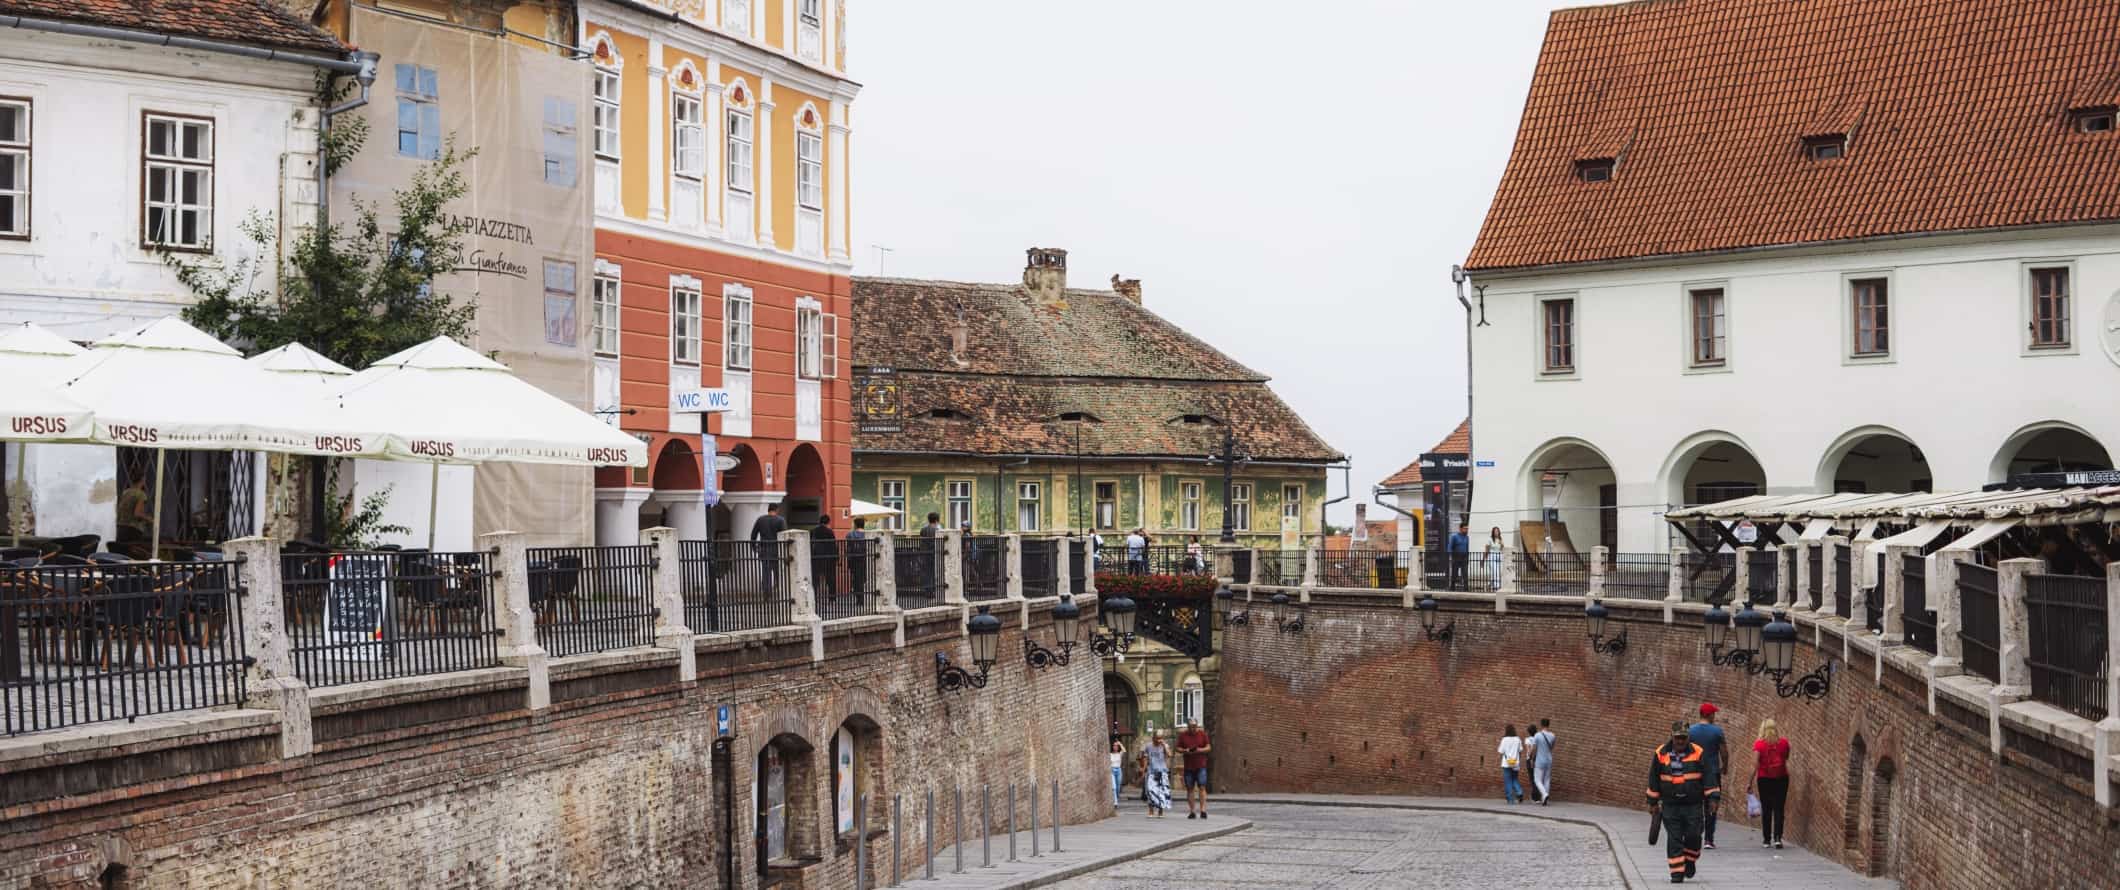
<point x="1362" y="702"/>
<point x="613" y="786"/>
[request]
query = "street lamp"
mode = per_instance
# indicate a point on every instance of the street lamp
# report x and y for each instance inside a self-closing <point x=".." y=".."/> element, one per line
<point x="1280" y="613"/>
<point x="1225" y="610"/>
<point x="985" y="630"/>
<point x="1780" y="661"/>
<point x="1717" y="622"/>
<point x="1596" y="615"/>
<point x="1117" y="614"/>
<point x="1066" y="618"/>
<point x="1429" y="607"/>
<point x="1749" y="623"/>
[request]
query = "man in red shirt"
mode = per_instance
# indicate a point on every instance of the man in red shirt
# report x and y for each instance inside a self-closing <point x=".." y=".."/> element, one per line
<point x="1193" y="743"/>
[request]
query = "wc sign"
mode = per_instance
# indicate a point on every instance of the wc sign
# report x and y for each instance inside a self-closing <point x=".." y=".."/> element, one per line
<point x="699" y="401"/>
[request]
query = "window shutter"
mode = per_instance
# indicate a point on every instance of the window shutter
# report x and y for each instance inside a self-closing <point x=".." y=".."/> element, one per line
<point x="828" y="366"/>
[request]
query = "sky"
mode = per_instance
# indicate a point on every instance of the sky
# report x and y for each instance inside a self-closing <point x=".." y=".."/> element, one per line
<point x="1289" y="186"/>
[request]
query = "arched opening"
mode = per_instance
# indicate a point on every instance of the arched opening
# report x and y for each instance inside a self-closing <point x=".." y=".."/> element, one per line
<point x="2050" y="447"/>
<point x="785" y="833"/>
<point x="1572" y="500"/>
<point x="1851" y="797"/>
<point x="1713" y="467"/>
<point x="675" y="473"/>
<point x="1881" y="819"/>
<point x="1874" y="459"/>
<point x="750" y="472"/>
<point x="1121" y="707"/>
<point x="857" y="773"/>
<point x="807" y="484"/>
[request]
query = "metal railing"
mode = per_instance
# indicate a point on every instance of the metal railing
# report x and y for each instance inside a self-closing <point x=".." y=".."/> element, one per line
<point x="1873" y="608"/>
<point x="1816" y="576"/>
<point x="1240" y="564"/>
<point x="1843" y="589"/>
<point x="1280" y="568"/>
<point x="985" y="567"/>
<point x="1552" y="573"/>
<point x="843" y="578"/>
<point x="593" y="599"/>
<point x="1172" y="559"/>
<point x="1477" y="572"/>
<point x="1357" y="568"/>
<point x="1980" y="620"/>
<point x="1041" y="567"/>
<point x="734" y="585"/>
<point x="1702" y="575"/>
<point x="1644" y="576"/>
<point x="84" y="642"/>
<point x="1915" y="616"/>
<point x="917" y="566"/>
<point x="1762" y="576"/>
<point x="2066" y="619"/>
<point x="357" y="616"/>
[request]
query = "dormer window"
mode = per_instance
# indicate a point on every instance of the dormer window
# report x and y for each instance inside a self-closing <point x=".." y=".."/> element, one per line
<point x="1192" y="419"/>
<point x="1594" y="169"/>
<point x="946" y="414"/>
<point x="1825" y="147"/>
<point x="1079" y="417"/>
<point x="2097" y="119"/>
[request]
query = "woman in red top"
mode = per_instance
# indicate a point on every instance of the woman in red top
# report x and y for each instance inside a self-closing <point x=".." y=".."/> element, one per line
<point x="1772" y="775"/>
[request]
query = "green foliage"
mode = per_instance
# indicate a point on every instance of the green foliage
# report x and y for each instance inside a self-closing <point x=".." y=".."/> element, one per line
<point x="355" y="293"/>
<point x="356" y="526"/>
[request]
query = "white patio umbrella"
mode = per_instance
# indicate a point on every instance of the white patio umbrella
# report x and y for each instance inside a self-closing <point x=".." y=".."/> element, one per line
<point x="860" y="509"/>
<point x="30" y="409"/>
<point x="169" y="385"/>
<point x="310" y="375"/>
<point x="449" y="404"/>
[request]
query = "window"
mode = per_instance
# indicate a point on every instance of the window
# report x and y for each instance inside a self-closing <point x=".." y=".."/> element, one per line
<point x="1107" y="500"/>
<point x="960" y="502"/>
<point x="816" y="343"/>
<point x="737" y="210"/>
<point x="2098" y="119"/>
<point x="1594" y="169"/>
<point x="736" y="330"/>
<point x="736" y="17"/>
<point x="603" y="313"/>
<point x="606" y="83"/>
<point x="1292" y="507"/>
<point x="1560" y="335"/>
<point x="1192" y="702"/>
<point x="419" y="113"/>
<point x="947" y="414"/>
<point x="688" y="159"/>
<point x="2050" y="313"/>
<point x="809" y="29"/>
<point x="1873" y="313"/>
<point x="1825" y="147"/>
<point x="179" y="178"/>
<point x="14" y="168"/>
<point x="809" y="193"/>
<point x="1027" y="503"/>
<point x="559" y="142"/>
<point x="1708" y="326"/>
<point x="808" y="11"/>
<point x="562" y="326"/>
<point x="891" y="494"/>
<point x="684" y="322"/>
<point x="1189" y="506"/>
<point x="1240" y="506"/>
<point x="739" y="162"/>
<point x="1079" y="417"/>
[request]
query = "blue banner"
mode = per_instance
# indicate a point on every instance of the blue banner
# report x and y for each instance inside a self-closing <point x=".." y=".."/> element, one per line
<point x="709" y="489"/>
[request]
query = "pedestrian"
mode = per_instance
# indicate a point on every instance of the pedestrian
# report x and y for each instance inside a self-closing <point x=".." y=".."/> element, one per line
<point x="1194" y="744"/>
<point x="858" y="556"/>
<point x="1681" y="788"/>
<point x="1492" y="557"/>
<point x="1118" y="768"/>
<point x="1772" y="776"/>
<point x="824" y="559"/>
<point x="1530" y="757"/>
<point x="930" y="553"/>
<point x="765" y="541"/>
<point x="1542" y="766"/>
<point x="1155" y="773"/>
<point x="1460" y="548"/>
<point x="1512" y="754"/>
<point x="1137" y="553"/>
<point x="1195" y="557"/>
<point x="1715" y="755"/>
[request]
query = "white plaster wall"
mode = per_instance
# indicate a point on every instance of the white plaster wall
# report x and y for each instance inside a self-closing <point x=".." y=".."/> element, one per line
<point x="73" y="490"/>
<point x="409" y="484"/>
<point x="1958" y="385"/>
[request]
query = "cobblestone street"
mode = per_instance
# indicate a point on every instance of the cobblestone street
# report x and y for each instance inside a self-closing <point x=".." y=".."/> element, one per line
<point x="1373" y="849"/>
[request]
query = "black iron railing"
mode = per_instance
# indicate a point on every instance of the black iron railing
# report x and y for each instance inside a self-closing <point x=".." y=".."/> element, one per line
<point x="1707" y="576"/>
<point x="1041" y="567"/>
<point x="2066" y="619"/>
<point x="359" y="616"/>
<point x="842" y="580"/>
<point x="84" y="642"/>
<point x="1644" y="576"/>
<point x="1979" y="620"/>
<point x="1551" y="573"/>
<point x="1843" y="581"/>
<point x="1873" y="606"/>
<point x="1356" y="568"/>
<point x="917" y="566"/>
<point x="1280" y="568"/>
<point x="593" y="599"/>
<point x="1078" y="565"/>
<point x="985" y="567"/>
<point x="1816" y="554"/>
<point x="1762" y="576"/>
<point x="1916" y="619"/>
<point x="1478" y="571"/>
<point x="734" y="585"/>
<point x="1240" y="565"/>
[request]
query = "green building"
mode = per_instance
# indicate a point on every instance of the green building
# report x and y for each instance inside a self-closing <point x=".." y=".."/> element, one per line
<point x="1043" y="408"/>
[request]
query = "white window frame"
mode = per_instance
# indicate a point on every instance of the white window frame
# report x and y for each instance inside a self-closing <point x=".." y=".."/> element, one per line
<point x="686" y="305"/>
<point x="816" y="341"/>
<point x="1846" y="308"/>
<point x="608" y="86"/>
<point x="809" y="191"/>
<point x="1546" y="370"/>
<point x="1292" y="507"/>
<point x="688" y="154"/>
<point x="2028" y="303"/>
<point x="896" y="502"/>
<point x="951" y="500"/>
<point x="1721" y="361"/>
<point x="1032" y="495"/>
<point x="1189" y="505"/>
<point x="176" y="166"/>
<point x="1239" y="506"/>
<point x="1096" y="508"/>
<point x="18" y="153"/>
<point x="426" y="109"/>
<point x="740" y="165"/>
<point x="604" y="306"/>
<point x="1191" y="702"/>
<point x="737" y="328"/>
<point x="739" y="170"/>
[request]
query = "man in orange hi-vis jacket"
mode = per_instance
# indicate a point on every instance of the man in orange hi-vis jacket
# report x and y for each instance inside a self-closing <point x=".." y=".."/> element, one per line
<point x="1679" y="788"/>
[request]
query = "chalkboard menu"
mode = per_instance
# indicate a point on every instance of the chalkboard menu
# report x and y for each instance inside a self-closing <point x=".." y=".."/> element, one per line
<point x="357" y="604"/>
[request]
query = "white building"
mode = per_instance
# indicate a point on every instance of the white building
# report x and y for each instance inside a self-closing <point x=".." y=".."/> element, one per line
<point x="1698" y="281"/>
<point x="122" y="135"/>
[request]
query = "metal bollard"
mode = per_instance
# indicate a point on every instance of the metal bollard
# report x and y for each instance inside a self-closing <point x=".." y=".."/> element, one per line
<point x="897" y="831"/>
<point x="1034" y="819"/>
<point x="986" y="826"/>
<point x="1056" y="815"/>
<point x="1011" y="821"/>
<point x="861" y="842"/>
<point x="928" y="837"/>
<point x="957" y="830"/>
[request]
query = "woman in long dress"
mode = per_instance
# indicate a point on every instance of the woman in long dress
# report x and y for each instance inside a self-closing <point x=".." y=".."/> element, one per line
<point x="1492" y="557"/>
<point x="1155" y="774"/>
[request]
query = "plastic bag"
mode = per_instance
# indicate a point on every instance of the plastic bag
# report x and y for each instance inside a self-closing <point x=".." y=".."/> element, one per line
<point x="1751" y="805"/>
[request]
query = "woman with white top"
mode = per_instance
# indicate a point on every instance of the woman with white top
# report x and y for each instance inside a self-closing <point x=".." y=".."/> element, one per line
<point x="1118" y="768"/>
<point x="1492" y="557"/>
<point x="1512" y="754"/>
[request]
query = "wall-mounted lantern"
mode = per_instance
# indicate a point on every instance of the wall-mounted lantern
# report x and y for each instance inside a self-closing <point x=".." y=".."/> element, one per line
<point x="1779" y="661"/>
<point x="1288" y="620"/>
<point x="1117" y="615"/>
<point x="985" y="630"/>
<point x="1067" y="617"/>
<point x="1596" y="615"/>
<point x="1429" y="608"/>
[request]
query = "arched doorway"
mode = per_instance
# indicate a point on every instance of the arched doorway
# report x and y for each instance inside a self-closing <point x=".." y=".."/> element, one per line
<point x="744" y="495"/>
<point x="1120" y="707"/>
<point x="1710" y="467"/>
<point x="1874" y="459"/>
<point x="2048" y="447"/>
<point x="1880" y="859"/>
<point x="1851" y="797"/>
<point x="1570" y="496"/>
<point x="807" y="486"/>
<point x="857" y="772"/>
<point x="675" y="473"/>
<point x="784" y="800"/>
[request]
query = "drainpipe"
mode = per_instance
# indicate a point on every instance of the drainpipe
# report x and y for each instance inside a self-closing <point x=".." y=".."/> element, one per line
<point x="1346" y="485"/>
<point x="1457" y="280"/>
<point x="365" y="76"/>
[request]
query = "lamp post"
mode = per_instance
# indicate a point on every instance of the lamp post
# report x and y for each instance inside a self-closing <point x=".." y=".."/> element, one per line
<point x="1596" y="615"/>
<point x="1749" y="623"/>
<point x="1779" y="660"/>
<point x="1117" y="614"/>
<point x="985" y="630"/>
<point x="1228" y="459"/>
<point x="1281" y="618"/>
<point x="1428" y="608"/>
<point x="1067" y="617"/>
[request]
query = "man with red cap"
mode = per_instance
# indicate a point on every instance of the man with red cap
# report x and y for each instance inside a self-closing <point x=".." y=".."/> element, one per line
<point x="1713" y="760"/>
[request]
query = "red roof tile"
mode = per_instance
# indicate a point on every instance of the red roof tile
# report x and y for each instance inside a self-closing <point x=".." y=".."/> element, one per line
<point x="1458" y="442"/>
<point x="1956" y="116"/>
<point x="255" y="22"/>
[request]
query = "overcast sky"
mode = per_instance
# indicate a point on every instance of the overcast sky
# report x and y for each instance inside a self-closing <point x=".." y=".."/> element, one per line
<point x="1290" y="186"/>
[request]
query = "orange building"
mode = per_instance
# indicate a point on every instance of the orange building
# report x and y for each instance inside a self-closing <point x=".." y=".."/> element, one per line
<point x="719" y="130"/>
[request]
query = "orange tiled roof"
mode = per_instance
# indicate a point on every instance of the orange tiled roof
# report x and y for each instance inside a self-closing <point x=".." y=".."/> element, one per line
<point x="256" y="22"/>
<point x="1956" y="115"/>
<point x="1458" y="442"/>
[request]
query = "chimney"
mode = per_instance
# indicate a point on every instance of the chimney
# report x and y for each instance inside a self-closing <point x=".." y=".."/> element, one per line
<point x="1129" y="288"/>
<point x="1045" y="275"/>
<point x="1361" y="523"/>
<point x="960" y="339"/>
